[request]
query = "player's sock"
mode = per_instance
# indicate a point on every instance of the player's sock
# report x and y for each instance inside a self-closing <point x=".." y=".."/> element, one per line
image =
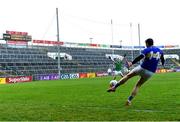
<point x="130" y="98"/>
<point x="118" y="84"/>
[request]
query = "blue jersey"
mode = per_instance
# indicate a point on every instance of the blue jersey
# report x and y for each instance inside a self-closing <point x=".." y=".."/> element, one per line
<point x="152" y="55"/>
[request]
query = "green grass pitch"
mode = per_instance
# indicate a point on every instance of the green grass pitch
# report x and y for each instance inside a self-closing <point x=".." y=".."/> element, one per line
<point x="87" y="99"/>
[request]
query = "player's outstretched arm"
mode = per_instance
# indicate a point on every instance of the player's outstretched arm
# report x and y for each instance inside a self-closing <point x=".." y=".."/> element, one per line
<point x="137" y="59"/>
<point x="111" y="58"/>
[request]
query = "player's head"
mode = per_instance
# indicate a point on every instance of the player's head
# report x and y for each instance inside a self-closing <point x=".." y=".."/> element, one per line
<point x="149" y="42"/>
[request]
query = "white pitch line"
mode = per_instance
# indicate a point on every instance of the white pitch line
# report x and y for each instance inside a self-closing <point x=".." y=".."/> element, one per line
<point x="146" y="110"/>
<point x="117" y="109"/>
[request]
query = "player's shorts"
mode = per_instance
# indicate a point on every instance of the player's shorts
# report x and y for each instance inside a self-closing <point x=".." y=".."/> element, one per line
<point x="144" y="73"/>
<point x="117" y="72"/>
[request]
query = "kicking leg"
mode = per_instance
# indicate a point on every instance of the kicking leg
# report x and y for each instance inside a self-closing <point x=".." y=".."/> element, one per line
<point x="122" y="81"/>
<point x="125" y="78"/>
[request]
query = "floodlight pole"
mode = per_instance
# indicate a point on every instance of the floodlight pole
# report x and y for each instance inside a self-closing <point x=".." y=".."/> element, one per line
<point x="59" y="66"/>
<point x="132" y="57"/>
<point x="120" y="42"/>
<point x="139" y="36"/>
<point x="112" y="35"/>
<point x="91" y="40"/>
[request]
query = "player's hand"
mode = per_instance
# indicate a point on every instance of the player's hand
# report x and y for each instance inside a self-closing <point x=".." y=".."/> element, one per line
<point x="109" y="57"/>
<point x="129" y="64"/>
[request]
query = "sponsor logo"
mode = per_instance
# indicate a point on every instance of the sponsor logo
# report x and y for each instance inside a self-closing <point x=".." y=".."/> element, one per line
<point x="83" y="75"/>
<point x="71" y="76"/>
<point x="19" y="79"/>
<point x="2" y="80"/>
<point x="101" y="74"/>
<point x="48" y="77"/>
<point x="91" y="75"/>
<point x="65" y="76"/>
<point x="177" y="70"/>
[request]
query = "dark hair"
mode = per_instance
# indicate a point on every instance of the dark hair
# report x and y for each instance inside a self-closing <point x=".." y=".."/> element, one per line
<point x="149" y="41"/>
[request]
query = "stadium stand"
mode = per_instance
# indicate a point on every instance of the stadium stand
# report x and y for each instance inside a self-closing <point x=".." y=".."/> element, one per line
<point x="34" y="60"/>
